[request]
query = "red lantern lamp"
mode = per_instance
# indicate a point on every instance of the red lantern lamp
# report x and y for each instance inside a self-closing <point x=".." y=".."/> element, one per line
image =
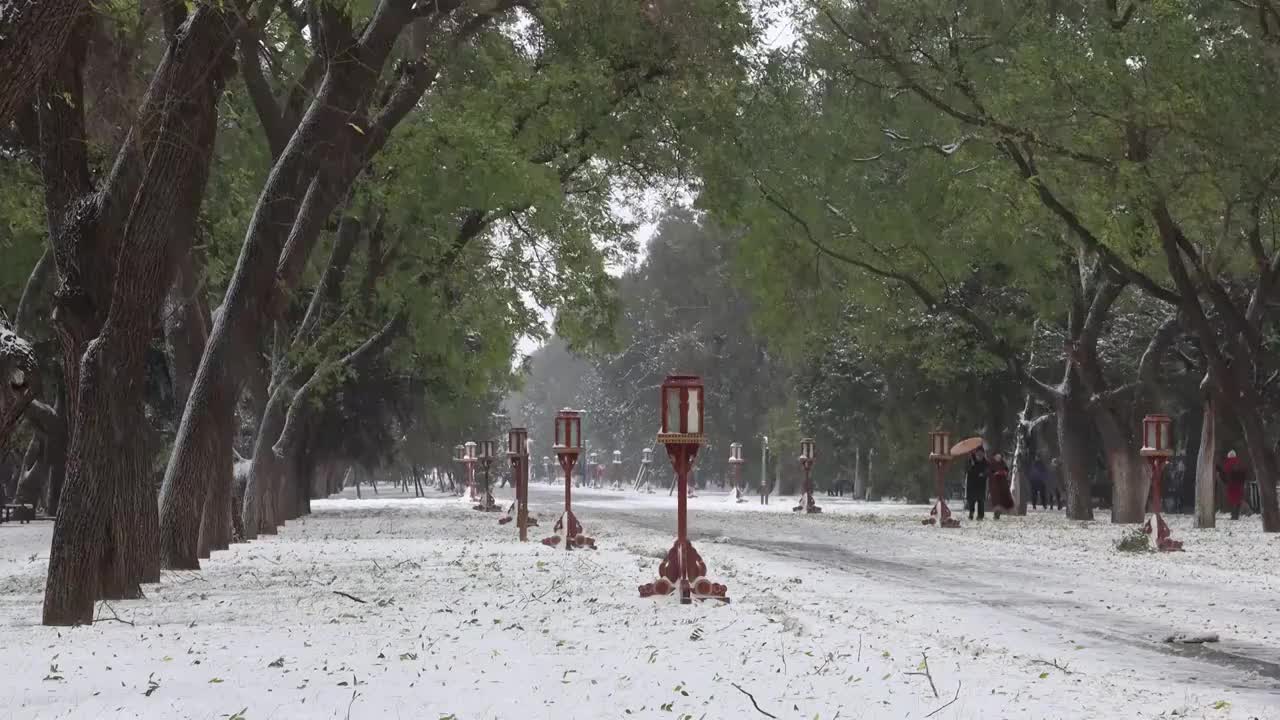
<point x="1157" y="435"/>
<point x="682" y="411"/>
<point x="939" y="445"/>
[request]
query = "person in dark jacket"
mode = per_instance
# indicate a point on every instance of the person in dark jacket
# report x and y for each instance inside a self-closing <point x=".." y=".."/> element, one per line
<point x="1039" y="484"/>
<point x="975" y="483"/>
<point x="1001" y="497"/>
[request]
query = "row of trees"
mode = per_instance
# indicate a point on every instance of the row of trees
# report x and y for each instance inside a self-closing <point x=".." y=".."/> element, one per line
<point x="1033" y="223"/>
<point x="1076" y="200"/>
<point x="300" y="236"/>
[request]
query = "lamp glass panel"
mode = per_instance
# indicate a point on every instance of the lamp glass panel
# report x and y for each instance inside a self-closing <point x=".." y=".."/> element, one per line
<point x="671" y="421"/>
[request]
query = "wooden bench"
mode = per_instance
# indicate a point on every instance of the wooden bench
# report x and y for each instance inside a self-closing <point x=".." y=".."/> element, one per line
<point x="22" y="513"/>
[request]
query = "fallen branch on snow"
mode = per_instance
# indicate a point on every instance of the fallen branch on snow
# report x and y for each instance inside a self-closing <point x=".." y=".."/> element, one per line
<point x="115" y="617"/>
<point x="349" y="597"/>
<point x="1052" y="664"/>
<point x="753" y="701"/>
<point x="926" y="674"/>
<point x="949" y="704"/>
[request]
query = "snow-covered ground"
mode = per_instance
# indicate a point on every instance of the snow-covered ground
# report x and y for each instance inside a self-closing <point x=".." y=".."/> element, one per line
<point x="832" y="617"/>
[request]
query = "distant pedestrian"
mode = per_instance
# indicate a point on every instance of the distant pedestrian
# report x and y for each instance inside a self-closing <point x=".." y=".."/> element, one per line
<point x="1001" y="498"/>
<point x="975" y="483"/>
<point x="1233" y="474"/>
<point x="1039" y="484"/>
<point x="1053" y="484"/>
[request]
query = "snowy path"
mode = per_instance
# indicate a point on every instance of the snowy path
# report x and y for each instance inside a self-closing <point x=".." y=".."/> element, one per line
<point x="830" y="618"/>
<point x="1041" y="575"/>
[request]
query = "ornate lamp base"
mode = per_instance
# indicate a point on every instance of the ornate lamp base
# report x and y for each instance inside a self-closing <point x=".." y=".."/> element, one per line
<point x="807" y="506"/>
<point x="487" y="504"/>
<point x="683" y="571"/>
<point x="940" y="510"/>
<point x="531" y="521"/>
<point x="1164" y="543"/>
<point x="573" y="537"/>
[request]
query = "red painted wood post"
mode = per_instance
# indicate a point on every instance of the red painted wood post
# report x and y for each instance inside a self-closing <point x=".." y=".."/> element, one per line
<point x="568" y="445"/>
<point x="1157" y="448"/>
<point x="682" y="433"/>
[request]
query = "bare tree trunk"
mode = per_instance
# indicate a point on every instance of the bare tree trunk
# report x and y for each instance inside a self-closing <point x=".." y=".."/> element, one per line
<point x="859" y="483"/>
<point x="1206" y="477"/>
<point x="1073" y="444"/>
<point x="103" y="542"/>
<point x="33" y="474"/>
<point x="1021" y="460"/>
<point x="1129" y="482"/>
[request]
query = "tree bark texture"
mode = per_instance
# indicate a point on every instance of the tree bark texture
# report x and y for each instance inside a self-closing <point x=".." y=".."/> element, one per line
<point x="247" y="308"/>
<point x="332" y="143"/>
<point x="104" y="538"/>
<point x="1073" y="445"/>
<point x="33" y="36"/>
<point x="1130" y="480"/>
<point x="1206" y="476"/>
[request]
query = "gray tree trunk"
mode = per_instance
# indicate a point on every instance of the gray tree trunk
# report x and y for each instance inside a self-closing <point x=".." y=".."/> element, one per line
<point x="859" y="482"/>
<point x="1206" y="482"/>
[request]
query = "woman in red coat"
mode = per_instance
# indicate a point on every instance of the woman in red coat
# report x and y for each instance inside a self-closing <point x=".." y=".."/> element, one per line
<point x="1233" y="474"/>
<point x="1001" y="498"/>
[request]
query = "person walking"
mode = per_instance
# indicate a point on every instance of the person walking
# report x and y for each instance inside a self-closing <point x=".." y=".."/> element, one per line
<point x="1039" y="484"/>
<point x="1053" y="485"/>
<point x="1233" y="475"/>
<point x="1001" y="497"/>
<point x="975" y="483"/>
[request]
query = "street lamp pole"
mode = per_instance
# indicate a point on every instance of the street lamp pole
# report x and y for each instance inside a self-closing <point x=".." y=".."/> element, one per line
<point x="1157" y="448"/>
<point x="735" y="463"/>
<point x="485" y="458"/>
<point x="470" y="461"/>
<point x="940" y="456"/>
<point x="764" y="470"/>
<point x="683" y="570"/>
<point x="568" y="445"/>
<point x="807" y="505"/>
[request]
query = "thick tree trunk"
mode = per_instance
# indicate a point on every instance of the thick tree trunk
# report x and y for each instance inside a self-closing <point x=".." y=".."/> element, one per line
<point x="1129" y="479"/>
<point x="1073" y="444"/>
<point x="33" y="36"/>
<point x="1263" y="461"/>
<point x="254" y="296"/>
<point x="260" y="508"/>
<point x="1206" y="477"/>
<point x="103" y="539"/>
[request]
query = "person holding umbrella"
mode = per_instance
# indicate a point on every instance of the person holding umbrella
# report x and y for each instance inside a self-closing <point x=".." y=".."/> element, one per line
<point x="975" y="482"/>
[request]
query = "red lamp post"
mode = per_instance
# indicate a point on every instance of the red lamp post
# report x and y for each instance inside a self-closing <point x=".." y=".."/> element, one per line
<point x="568" y="445"/>
<point x="459" y="455"/>
<point x="682" y="434"/>
<point x="518" y="451"/>
<point x="485" y="456"/>
<point x="469" y="461"/>
<point x="646" y="459"/>
<point x="736" y="462"/>
<point x="806" y="461"/>
<point x="940" y="456"/>
<point x="1157" y="448"/>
